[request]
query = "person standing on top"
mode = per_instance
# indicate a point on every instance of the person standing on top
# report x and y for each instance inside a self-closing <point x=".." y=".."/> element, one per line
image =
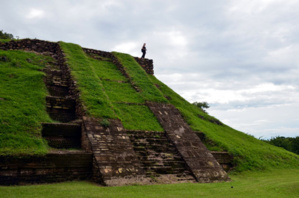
<point x="143" y="50"/>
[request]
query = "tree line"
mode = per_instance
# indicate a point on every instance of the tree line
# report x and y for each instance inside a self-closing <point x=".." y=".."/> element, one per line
<point x="288" y="143"/>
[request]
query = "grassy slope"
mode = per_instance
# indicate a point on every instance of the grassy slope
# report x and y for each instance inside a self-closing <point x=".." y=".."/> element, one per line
<point x="140" y="78"/>
<point x="249" y="152"/>
<point x="101" y="91"/>
<point x="22" y="103"/>
<point x="245" y="185"/>
<point x="90" y="85"/>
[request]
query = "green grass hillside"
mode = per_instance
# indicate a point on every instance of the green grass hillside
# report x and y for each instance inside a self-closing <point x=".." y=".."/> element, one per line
<point x="249" y="152"/>
<point x="107" y="93"/>
<point x="22" y="102"/>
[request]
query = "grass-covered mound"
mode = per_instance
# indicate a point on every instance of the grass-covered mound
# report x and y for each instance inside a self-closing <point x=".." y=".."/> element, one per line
<point x="106" y="93"/>
<point x="22" y="103"/>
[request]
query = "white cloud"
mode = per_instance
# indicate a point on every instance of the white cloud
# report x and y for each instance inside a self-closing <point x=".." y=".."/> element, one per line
<point x="128" y="47"/>
<point x="35" y="13"/>
<point x="265" y="122"/>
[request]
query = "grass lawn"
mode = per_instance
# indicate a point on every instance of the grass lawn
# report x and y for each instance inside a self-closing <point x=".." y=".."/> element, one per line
<point x="271" y="184"/>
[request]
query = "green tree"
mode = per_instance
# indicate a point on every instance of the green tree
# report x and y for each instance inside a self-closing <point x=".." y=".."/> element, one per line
<point x="201" y="105"/>
<point x="4" y="35"/>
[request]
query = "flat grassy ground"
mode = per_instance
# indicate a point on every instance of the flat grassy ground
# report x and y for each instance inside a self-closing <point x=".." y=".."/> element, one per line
<point x="271" y="184"/>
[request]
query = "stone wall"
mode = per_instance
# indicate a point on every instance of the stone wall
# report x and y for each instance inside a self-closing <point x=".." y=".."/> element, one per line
<point x="31" y="45"/>
<point x="224" y="159"/>
<point x="146" y="64"/>
<point x="54" y="167"/>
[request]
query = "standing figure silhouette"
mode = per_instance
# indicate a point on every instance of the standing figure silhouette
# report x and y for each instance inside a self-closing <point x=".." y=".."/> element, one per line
<point x="143" y="50"/>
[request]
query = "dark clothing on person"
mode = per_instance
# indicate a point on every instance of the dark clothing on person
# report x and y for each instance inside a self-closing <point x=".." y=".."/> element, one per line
<point x="143" y="50"/>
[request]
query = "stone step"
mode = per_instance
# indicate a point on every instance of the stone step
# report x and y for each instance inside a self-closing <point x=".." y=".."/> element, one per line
<point x="165" y="170"/>
<point x="62" y="135"/>
<point x="57" y="77"/>
<point x="57" y="90"/>
<point x="61" y="109"/>
<point x="57" y="82"/>
<point x="157" y="155"/>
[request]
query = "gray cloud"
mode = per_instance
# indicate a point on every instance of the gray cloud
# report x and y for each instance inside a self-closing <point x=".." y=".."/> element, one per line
<point x="222" y="52"/>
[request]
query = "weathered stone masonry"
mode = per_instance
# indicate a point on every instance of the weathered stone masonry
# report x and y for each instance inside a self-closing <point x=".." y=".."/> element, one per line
<point x="54" y="167"/>
<point x="115" y="161"/>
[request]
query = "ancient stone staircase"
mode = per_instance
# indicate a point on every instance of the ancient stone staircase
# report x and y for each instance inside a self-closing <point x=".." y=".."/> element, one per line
<point x="199" y="159"/>
<point x="61" y="107"/>
<point x="159" y="158"/>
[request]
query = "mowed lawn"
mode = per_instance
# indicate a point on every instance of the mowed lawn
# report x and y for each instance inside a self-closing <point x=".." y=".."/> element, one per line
<point x="271" y="184"/>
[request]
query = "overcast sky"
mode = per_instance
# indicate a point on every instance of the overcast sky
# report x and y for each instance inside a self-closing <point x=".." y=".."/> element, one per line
<point x="240" y="56"/>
